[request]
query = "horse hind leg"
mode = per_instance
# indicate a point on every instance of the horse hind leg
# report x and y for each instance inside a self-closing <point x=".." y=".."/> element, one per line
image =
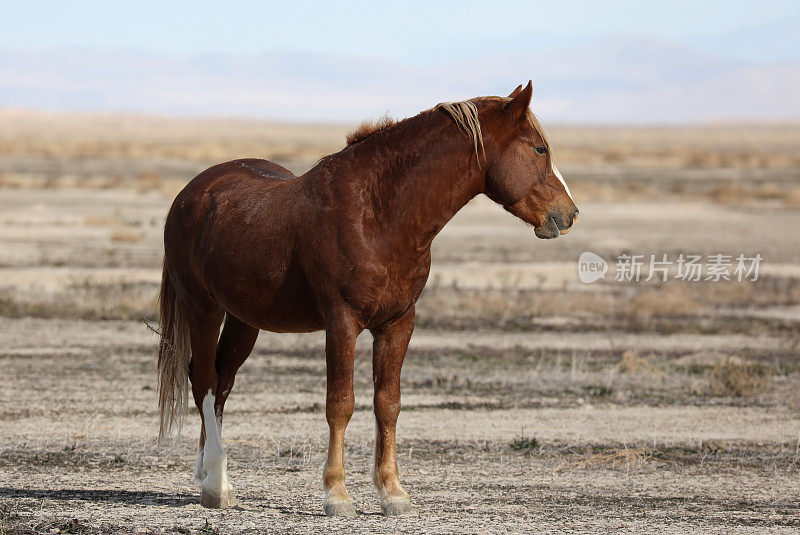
<point x="204" y="331"/>
<point x="234" y="346"/>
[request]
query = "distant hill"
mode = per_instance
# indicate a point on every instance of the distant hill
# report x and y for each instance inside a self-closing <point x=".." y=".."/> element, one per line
<point x="621" y="80"/>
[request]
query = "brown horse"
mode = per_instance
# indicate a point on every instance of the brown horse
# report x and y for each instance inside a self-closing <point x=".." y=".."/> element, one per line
<point x="344" y="247"/>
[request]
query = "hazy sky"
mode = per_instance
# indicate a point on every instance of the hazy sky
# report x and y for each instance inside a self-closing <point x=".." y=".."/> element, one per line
<point x="412" y="31"/>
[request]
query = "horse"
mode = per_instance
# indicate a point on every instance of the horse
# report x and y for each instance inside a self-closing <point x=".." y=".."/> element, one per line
<point x="344" y="247"/>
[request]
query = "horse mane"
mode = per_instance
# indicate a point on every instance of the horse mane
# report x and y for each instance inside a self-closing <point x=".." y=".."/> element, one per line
<point x="367" y="128"/>
<point x="465" y="115"/>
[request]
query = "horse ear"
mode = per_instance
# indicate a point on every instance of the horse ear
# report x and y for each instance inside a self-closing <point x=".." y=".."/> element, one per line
<point x="516" y="91"/>
<point x="520" y="102"/>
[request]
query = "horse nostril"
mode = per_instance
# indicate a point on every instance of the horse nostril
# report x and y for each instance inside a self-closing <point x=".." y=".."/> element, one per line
<point x="569" y="221"/>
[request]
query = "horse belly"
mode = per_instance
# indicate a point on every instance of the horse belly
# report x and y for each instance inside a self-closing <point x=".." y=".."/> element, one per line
<point x="272" y="300"/>
<point x="285" y="311"/>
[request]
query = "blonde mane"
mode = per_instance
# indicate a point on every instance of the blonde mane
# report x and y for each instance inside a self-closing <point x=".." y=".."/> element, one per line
<point x="465" y="115"/>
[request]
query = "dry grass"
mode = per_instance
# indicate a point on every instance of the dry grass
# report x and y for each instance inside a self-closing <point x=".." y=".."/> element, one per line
<point x="740" y="146"/>
<point x="735" y="378"/>
<point x="627" y="457"/>
<point x="631" y="363"/>
<point x="729" y="146"/>
<point x="102" y="220"/>
<point x="664" y="300"/>
<point x="726" y="191"/>
<point x="84" y="299"/>
<point x="666" y="308"/>
<point x="743" y="194"/>
<point x="635" y="305"/>
<point x="49" y="135"/>
<point x="142" y="153"/>
<point x="124" y="235"/>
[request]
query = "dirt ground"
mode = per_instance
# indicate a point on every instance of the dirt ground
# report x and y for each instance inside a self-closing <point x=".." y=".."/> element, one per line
<point x="532" y="402"/>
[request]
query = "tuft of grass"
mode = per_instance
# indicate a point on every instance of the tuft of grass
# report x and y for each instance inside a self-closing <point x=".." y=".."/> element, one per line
<point x="73" y="526"/>
<point x="208" y="529"/>
<point x="525" y="444"/>
<point x="733" y="378"/>
<point x="598" y="391"/>
<point x="613" y="457"/>
<point x="124" y="235"/>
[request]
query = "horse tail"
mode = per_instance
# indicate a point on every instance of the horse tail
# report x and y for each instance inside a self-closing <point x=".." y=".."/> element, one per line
<point x="174" y="355"/>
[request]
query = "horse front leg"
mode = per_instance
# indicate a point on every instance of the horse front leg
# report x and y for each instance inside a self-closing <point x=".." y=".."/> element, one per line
<point x="388" y="352"/>
<point x="340" y="342"/>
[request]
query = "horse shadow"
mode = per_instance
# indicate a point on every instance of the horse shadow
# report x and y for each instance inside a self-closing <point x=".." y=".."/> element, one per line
<point x="130" y="497"/>
<point x="126" y="497"/>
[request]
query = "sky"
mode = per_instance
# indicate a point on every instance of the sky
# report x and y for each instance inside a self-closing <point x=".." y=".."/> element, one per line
<point x="415" y="32"/>
<point x="591" y="60"/>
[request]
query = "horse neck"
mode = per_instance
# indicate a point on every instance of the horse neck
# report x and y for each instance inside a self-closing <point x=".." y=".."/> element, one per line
<point x="419" y="186"/>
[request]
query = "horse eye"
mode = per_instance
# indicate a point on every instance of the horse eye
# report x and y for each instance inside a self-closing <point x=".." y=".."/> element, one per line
<point x="541" y="150"/>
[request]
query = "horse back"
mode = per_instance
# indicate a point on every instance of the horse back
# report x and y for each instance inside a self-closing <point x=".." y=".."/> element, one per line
<point x="265" y="168"/>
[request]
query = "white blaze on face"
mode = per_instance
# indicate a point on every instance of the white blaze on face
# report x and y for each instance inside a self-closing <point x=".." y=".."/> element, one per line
<point x="561" y="178"/>
<point x="215" y="461"/>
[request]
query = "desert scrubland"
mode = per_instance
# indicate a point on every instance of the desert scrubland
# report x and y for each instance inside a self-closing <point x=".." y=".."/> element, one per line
<point x="532" y="402"/>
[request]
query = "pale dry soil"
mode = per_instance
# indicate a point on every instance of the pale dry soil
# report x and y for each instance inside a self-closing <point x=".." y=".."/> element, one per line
<point x="532" y="402"/>
<point x="79" y="419"/>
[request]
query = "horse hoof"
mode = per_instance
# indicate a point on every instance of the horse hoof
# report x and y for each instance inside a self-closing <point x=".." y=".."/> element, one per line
<point x="397" y="507"/>
<point x="214" y="500"/>
<point x="342" y="509"/>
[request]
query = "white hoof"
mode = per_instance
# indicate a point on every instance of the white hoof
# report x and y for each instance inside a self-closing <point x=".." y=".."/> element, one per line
<point x="214" y="500"/>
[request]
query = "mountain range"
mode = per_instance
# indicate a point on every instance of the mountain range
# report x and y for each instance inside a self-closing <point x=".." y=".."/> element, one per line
<point x="629" y="79"/>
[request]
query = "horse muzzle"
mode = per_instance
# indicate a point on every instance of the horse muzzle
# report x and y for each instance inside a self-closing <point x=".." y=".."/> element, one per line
<point x="556" y="224"/>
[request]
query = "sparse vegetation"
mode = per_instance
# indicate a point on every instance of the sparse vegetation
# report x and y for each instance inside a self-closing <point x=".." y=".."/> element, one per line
<point x="630" y="397"/>
<point x="525" y="444"/>
<point x="123" y="235"/>
<point x="736" y="378"/>
<point x="84" y="299"/>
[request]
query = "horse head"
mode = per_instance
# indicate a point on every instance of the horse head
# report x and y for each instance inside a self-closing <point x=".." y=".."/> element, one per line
<point x="521" y="171"/>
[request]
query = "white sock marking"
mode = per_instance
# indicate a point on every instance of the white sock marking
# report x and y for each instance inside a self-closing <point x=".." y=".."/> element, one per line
<point x="199" y="473"/>
<point x="215" y="461"/>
